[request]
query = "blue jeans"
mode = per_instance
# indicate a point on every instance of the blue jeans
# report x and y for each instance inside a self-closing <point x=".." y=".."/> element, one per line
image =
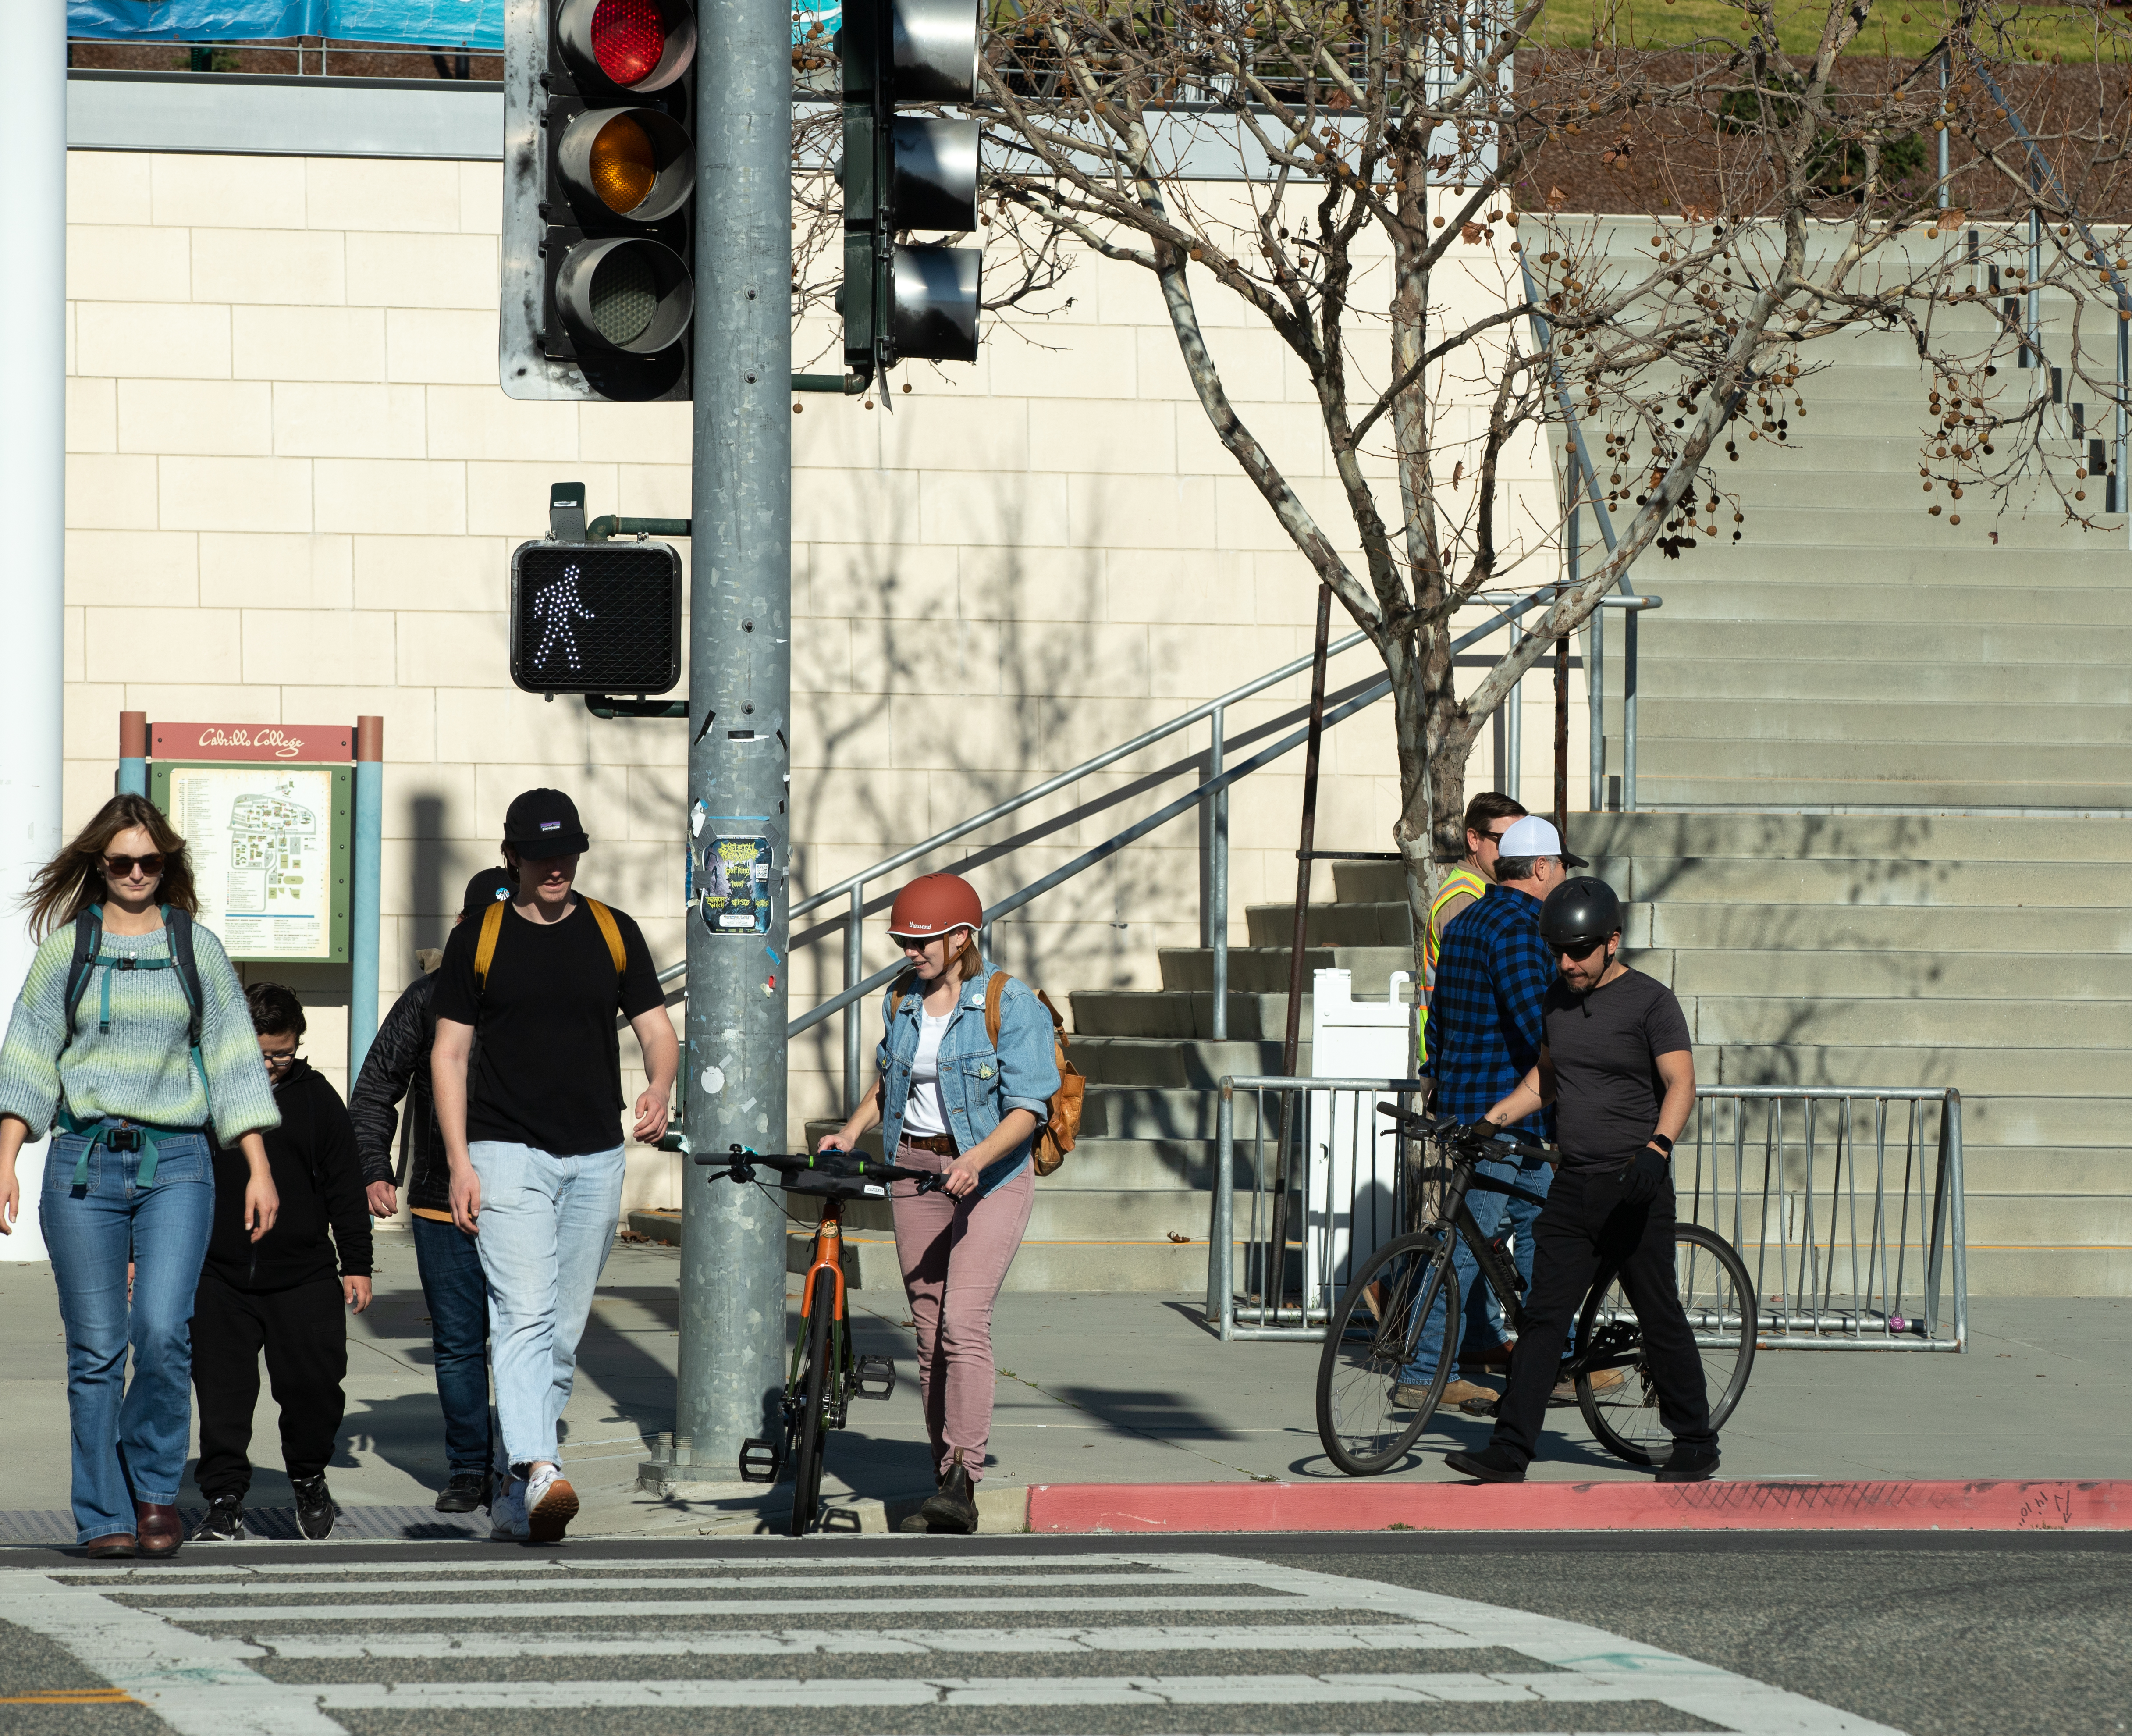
<point x="456" y="1293"/>
<point x="1481" y="1326"/>
<point x="547" y="1224"/>
<point x="129" y="1441"/>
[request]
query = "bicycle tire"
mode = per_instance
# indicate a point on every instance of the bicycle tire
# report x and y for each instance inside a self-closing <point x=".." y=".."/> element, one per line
<point x="1366" y="1345"/>
<point x="1719" y="1299"/>
<point x="813" y="1419"/>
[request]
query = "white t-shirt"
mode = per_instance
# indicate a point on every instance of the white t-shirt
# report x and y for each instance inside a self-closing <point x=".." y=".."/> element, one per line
<point x="925" y="1116"/>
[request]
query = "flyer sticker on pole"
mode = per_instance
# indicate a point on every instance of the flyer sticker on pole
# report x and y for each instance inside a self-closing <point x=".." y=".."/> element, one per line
<point x="735" y="884"/>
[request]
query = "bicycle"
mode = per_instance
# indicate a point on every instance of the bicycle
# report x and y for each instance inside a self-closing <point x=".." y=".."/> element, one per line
<point x="1372" y="1334"/>
<point x="826" y="1374"/>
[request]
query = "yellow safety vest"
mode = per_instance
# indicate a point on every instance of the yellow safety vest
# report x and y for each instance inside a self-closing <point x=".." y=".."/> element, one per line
<point x="1459" y="883"/>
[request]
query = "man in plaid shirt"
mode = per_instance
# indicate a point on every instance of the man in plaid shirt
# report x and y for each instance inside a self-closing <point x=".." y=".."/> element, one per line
<point x="1485" y="1034"/>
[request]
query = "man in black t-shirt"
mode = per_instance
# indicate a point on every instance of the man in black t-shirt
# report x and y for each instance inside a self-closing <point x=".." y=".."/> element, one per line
<point x="1617" y="1064"/>
<point x="529" y="1115"/>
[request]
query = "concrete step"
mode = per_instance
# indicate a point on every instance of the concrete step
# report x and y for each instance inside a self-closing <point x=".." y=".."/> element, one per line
<point x="1893" y="516"/>
<point x="2092" y="562"/>
<point x="1997" y="1021"/>
<point x="1864" y="837"/>
<point x="1984" y="1074"/>
<point x="1388" y="924"/>
<point x="1264" y="970"/>
<point x="1802" y="687"/>
<point x="1897" y="722"/>
<point x="1163" y="1114"/>
<point x="1928" y="977"/>
<point x="1777" y="774"/>
<point x="1168" y="1063"/>
<point x="1182" y="1013"/>
<point x="1717" y="596"/>
<point x="1778" y="641"/>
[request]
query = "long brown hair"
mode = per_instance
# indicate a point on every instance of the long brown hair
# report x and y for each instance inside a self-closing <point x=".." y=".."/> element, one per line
<point x="72" y="880"/>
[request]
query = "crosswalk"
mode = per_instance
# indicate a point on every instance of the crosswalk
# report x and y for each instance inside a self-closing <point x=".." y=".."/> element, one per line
<point x="889" y="1641"/>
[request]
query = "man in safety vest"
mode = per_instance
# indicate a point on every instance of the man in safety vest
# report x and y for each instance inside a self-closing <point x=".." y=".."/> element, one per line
<point x="1486" y="815"/>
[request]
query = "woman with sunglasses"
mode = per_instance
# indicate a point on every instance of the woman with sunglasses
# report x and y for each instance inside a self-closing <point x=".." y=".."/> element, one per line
<point x="130" y="1104"/>
<point x="950" y="1101"/>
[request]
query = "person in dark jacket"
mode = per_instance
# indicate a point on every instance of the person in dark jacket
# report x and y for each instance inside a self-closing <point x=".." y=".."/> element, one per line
<point x="397" y="1066"/>
<point x="283" y="1293"/>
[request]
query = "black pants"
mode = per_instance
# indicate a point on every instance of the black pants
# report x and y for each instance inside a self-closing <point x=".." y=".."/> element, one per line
<point x="1591" y="1224"/>
<point x="305" y="1335"/>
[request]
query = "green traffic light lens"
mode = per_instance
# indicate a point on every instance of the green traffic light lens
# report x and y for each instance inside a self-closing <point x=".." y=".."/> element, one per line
<point x="624" y="296"/>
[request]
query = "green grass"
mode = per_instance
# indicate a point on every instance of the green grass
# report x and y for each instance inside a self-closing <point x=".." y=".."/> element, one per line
<point x="1898" y="29"/>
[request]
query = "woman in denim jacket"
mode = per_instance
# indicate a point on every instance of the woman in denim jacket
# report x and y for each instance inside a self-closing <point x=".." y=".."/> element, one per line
<point x="947" y="1101"/>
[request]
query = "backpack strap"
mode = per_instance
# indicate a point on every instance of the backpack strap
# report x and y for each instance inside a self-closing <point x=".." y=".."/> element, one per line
<point x="178" y="924"/>
<point x="993" y="990"/>
<point x="612" y="931"/>
<point x="88" y="943"/>
<point x="484" y="950"/>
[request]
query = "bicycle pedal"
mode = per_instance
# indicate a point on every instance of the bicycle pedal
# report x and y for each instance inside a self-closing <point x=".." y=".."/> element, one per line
<point x="876" y="1376"/>
<point x="759" y="1461"/>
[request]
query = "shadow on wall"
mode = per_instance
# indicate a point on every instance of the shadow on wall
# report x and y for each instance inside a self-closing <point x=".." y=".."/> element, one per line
<point x="1019" y="701"/>
<point x="428" y="896"/>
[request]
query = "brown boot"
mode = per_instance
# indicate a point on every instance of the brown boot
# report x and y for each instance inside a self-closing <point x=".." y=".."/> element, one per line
<point x="119" y="1546"/>
<point x="159" y="1529"/>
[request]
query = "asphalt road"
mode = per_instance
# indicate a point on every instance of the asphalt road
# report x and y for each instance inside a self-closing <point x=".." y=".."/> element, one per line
<point x="1077" y="1637"/>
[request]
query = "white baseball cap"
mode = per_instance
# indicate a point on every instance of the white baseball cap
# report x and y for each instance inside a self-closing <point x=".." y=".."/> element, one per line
<point x="1532" y="836"/>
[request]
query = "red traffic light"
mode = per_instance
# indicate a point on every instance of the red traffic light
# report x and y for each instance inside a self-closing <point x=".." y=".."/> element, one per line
<point x="637" y="45"/>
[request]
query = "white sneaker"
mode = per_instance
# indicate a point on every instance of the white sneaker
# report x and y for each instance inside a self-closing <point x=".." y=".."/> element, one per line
<point x="550" y="1503"/>
<point x="507" y="1512"/>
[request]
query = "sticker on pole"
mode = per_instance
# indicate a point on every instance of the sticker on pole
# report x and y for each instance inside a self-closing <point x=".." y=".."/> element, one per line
<point x="736" y="886"/>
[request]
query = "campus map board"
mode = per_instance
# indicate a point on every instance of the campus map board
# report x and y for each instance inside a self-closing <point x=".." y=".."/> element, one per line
<point x="270" y="853"/>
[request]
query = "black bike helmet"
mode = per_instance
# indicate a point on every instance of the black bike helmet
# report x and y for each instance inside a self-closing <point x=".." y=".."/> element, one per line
<point x="1579" y="914"/>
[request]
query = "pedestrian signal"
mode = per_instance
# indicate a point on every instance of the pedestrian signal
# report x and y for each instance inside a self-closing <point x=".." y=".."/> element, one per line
<point x="602" y="617"/>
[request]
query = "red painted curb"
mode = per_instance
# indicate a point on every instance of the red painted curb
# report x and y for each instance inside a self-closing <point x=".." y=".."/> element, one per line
<point x="2059" y="1505"/>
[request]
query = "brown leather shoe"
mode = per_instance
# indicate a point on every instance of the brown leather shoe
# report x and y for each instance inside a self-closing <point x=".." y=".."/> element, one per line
<point x="119" y="1543"/>
<point x="159" y="1529"/>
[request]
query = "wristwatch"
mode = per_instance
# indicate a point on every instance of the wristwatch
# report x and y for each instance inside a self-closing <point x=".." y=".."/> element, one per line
<point x="1662" y="1142"/>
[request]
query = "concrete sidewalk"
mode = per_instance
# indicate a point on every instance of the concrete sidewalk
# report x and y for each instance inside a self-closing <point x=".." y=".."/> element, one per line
<point x="1122" y="1389"/>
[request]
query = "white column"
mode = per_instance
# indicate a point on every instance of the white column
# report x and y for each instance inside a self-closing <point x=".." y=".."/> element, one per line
<point x="33" y="471"/>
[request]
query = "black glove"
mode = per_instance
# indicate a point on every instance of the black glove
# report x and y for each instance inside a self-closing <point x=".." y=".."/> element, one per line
<point x="1480" y="1132"/>
<point x="1649" y="1174"/>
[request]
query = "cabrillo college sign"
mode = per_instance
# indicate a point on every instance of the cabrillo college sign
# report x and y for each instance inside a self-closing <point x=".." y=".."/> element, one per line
<point x="253" y="742"/>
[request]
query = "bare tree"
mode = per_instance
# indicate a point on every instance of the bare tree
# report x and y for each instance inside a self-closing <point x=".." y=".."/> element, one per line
<point x="1448" y="310"/>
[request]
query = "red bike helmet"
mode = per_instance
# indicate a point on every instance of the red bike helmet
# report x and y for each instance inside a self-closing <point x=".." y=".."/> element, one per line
<point x="935" y="904"/>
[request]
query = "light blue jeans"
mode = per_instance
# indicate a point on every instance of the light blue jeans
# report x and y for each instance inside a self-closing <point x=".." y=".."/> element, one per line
<point x="546" y="1226"/>
<point x="129" y="1441"/>
<point x="1480" y="1316"/>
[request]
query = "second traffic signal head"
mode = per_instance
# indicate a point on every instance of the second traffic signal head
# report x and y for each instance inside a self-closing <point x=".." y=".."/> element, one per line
<point x="909" y="172"/>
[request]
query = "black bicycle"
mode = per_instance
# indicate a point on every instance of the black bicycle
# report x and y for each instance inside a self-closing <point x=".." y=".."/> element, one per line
<point x="827" y="1373"/>
<point x="1373" y="1334"/>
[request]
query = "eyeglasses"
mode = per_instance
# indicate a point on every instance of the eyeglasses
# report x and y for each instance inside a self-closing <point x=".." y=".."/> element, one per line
<point x="275" y="1063"/>
<point x="120" y="867"/>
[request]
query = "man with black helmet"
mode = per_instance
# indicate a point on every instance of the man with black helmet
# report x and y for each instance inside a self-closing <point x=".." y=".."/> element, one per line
<point x="1617" y="1065"/>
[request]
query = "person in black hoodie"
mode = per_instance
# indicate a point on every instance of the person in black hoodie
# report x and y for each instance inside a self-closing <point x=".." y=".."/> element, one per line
<point x="283" y="1293"/>
<point x="453" y="1284"/>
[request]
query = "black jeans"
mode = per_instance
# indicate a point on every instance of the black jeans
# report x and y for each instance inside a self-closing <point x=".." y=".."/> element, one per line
<point x="305" y="1335"/>
<point x="1593" y="1223"/>
<point x="457" y="1292"/>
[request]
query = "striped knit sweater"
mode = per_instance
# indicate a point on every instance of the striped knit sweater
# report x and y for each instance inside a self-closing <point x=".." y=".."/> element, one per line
<point x="142" y="1070"/>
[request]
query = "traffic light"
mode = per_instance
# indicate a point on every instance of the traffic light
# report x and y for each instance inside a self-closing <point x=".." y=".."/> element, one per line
<point x="599" y="181"/>
<point x="907" y="301"/>
<point x="600" y="617"/>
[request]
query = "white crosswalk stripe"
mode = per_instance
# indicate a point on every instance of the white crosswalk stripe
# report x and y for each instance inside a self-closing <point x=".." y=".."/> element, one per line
<point x="1181" y="1645"/>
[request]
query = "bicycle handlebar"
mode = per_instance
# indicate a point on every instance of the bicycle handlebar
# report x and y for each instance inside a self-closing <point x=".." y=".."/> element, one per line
<point x="740" y="1166"/>
<point x="1501" y="1143"/>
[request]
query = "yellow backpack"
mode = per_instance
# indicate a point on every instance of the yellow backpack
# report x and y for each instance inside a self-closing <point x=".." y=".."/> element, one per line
<point x="491" y="931"/>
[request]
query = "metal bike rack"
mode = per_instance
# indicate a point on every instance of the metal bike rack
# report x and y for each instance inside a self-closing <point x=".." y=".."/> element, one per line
<point x="1845" y="1205"/>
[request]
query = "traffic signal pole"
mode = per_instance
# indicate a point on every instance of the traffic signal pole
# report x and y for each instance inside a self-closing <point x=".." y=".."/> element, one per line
<point x="740" y="684"/>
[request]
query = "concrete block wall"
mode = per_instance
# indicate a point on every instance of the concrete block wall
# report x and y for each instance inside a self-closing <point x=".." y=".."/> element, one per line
<point x="295" y="485"/>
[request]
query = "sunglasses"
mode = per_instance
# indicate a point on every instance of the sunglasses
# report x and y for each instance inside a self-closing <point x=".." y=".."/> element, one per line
<point x="1578" y="957"/>
<point x="120" y="867"/>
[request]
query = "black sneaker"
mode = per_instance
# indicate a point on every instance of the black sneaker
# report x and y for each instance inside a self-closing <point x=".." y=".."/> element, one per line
<point x="224" y="1522"/>
<point x="315" y="1511"/>
<point x="953" y="1507"/>
<point x="466" y="1491"/>
<point x="1689" y="1463"/>
<point x="1492" y="1464"/>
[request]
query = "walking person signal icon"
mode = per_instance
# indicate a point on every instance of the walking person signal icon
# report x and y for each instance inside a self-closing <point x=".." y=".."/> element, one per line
<point x="595" y="617"/>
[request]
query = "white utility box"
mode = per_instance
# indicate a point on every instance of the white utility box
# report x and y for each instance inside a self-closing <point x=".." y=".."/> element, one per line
<point x="1353" y="1152"/>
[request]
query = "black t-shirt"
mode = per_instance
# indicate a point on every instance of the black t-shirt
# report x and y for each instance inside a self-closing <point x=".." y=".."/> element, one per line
<point x="1604" y="1046"/>
<point x="547" y="1064"/>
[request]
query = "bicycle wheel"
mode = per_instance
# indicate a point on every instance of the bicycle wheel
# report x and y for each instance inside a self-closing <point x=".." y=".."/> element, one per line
<point x="1370" y="1339"/>
<point x="813" y="1386"/>
<point x="1720" y="1304"/>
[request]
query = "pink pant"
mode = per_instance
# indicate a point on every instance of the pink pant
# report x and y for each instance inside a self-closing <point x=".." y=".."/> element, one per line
<point x="954" y="1255"/>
